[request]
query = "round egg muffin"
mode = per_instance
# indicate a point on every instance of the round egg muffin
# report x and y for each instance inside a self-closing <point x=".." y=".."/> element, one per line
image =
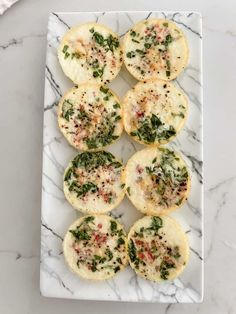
<point x="157" y="180"/>
<point x="155" y="48"/>
<point x="90" y="53"/>
<point x="95" y="247"/>
<point x="94" y="182"/>
<point x="158" y="248"/>
<point x="90" y="117"/>
<point x="154" y="112"/>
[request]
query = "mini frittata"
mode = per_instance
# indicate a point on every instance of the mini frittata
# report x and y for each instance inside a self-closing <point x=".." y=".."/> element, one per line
<point x="157" y="180"/>
<point x="94" y="182"/>
<point x="158" y="248"/>
<point x="154" y="112"/>
<point x="90" y="53"/>
<point x="155" y="48"/>
<point x="90" y="117"/>
<point x="95" y="247"/>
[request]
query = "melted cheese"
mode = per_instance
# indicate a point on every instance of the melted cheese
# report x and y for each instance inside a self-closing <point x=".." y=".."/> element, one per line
<point x="158" y="104"/>
<point x="158" y="248"/>
<point x="94" y="189"/>
<point x="157" y="180"/>
<point x="90" y="117"/>
<point x="90" y="52"/>
<point x="99" y="250"/>
<point x="155" y="48"/>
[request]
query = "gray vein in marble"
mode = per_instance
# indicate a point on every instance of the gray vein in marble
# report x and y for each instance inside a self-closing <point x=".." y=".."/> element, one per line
<point x="55" y="139"/>
<point x="198" y="231"/>
<point x="228" y="32"/>
<point x="59" y="198"/>
<point x="98" y="16"/>
<point x="131" y="22"/>
<point x="220" y="205"/>
<point x="194" y="79"/>
<point x="192" y="134"/>
<point x="196" y="165"/>
<point x="19" y="41"/>
<point x="194" y="209"/>
<point x="52" y="82"/>
<point x="190" y="14"/>
<point x="184" y="25"/>
<point x="134" y="281"/>
<point x="196" y="253"/>
<point x="231" y="33"/>
<point x="164" y="15"/>
<point x="192" y="68"/>
<point x="130" y="19"/>
<point x="54" y="275"/>
<point x="54" y="161"/>
<point x="111" y="283"/>
<point x="216" y="215"/>
<point x="61" y="20"/>
<point x="221" y="183"/>
<point x="49" y="107"/>
<point x="230" y="245"/>
<point x="12" y="42"/>
<point x="149" y="14"/>
<point x="168" y="308"/>
<point x="192" y="97"/>
<point x="117" y="26"/>
<point x="18" y="255"/>
<point x="44" y="225"/>
<point x="52" y="181"/>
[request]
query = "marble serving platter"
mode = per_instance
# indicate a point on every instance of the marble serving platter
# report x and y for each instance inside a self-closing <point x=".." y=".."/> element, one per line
<point x="55" y="278"/>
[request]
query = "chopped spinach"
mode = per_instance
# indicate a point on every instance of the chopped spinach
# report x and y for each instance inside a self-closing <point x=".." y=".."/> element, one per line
<point x="109" y="43"/>
<point x="156" y="223"/>
<point x="89" y="160"/>
<point x="132" y="251"/>
<point x="116" y="269"/>
<point x="83" y="189"/>
<point x="80" y="234"/>
<point x="89" y="219"/>
<point x="67" y="109"/>
<point x="109" y="254"/>
<point x="120" y="241"/>
<point x="130" y="54"/>
<point x="113" y="226"/>
<point x="132" y="33"/>
<point x="165" y="265"/>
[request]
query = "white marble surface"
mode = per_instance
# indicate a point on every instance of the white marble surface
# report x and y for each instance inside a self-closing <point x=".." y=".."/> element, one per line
<point x="57" y="214"/>
<point x="22" y="60"/>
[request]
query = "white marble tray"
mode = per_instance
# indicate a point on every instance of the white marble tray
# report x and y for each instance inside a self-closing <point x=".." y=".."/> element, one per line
<point x="55" y="278"/>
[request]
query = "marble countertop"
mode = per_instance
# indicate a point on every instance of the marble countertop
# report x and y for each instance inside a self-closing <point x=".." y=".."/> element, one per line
<point x="22" y="59"/>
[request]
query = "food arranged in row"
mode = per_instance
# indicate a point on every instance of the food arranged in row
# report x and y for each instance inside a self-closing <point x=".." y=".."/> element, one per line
<point x="155" y="179"/>
<point x="96" y="247"/>
<point x="154" y="48"/>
